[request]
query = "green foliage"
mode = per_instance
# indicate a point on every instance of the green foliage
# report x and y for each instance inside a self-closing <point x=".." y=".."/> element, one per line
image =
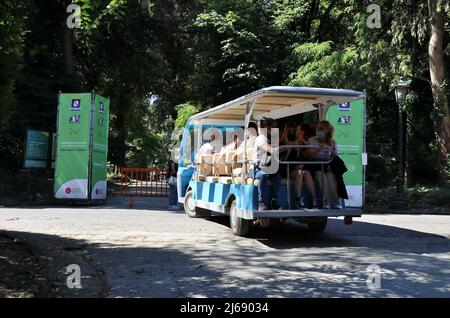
<point x="288" y="14"/>
<point x="93" y="11"/>
<point x="12" y="32"/>
<point x="242" y="46"/>
<point x="151" y="57"/>
<point x="323" y="67"/>
<point x="12" y="37"/>
<point x="354" y="56"/>
<point x="420" y="197"/>
<point x="184" y="111"/>
<point x="146" y="146"/>
<point x="433" y="196"/>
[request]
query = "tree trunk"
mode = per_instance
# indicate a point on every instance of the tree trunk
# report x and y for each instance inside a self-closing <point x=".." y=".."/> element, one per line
<point x="324" y="19"/>
<point x="437" y="72"/>
<point x="313" y="9"/>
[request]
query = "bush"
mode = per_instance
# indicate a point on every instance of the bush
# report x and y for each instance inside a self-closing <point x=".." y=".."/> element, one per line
<point x="379" y="197"/>
<point x="430" y="196"/>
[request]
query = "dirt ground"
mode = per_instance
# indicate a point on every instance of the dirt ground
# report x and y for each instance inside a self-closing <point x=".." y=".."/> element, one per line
<point x="22" y="276"/>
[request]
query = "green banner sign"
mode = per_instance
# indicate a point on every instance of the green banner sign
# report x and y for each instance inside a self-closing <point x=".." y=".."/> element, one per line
<point x="100" y="147"/>
<point x="75" y="139"/>
<point x="348" y="122"/>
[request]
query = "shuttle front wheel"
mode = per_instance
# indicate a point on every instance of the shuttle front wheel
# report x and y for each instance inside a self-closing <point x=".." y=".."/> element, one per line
<point x="191" y="210"/>
<point x="239" y="226"/>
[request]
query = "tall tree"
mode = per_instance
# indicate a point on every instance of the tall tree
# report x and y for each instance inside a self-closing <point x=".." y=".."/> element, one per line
<point x="12" y="37"/>
<point x="437" y="72"/>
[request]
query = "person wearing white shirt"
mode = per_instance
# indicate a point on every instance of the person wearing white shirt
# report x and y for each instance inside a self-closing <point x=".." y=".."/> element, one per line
<point x="206" y="149"/>
<point x="228" y="148"/>
<point x="252" y="134"/>
<point x="263" y="148"/>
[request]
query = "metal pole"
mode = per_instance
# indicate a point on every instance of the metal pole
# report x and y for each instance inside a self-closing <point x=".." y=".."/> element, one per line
<point x="248" y="113"/>
<point x="400" y="172"/>
<point x="364" y="151"/>
<point x="322" y="176"/>
<point x="289" y="186"/>
<point x="399" y="200"/>
<point x="91" y="145"/>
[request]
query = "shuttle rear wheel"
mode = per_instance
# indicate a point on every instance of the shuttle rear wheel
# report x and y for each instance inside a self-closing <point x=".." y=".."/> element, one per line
<point x="317" y="226"/>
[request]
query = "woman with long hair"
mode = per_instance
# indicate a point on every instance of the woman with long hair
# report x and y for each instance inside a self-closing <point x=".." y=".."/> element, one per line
<point x="305" y="132"/>
<point x="324" y="150"/>
<point x="289" y="137"/>
<point x="292" y="135"/>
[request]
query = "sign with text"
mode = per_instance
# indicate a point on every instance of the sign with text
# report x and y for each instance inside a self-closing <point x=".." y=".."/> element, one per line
<point x="74" y="151"/>
<point x="36" y="151"/>
<point x="348" y="122"/>
<point x="100" y="147"/>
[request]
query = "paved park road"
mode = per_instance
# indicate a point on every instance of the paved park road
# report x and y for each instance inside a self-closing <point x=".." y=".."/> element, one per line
<point x="148" y="251"/>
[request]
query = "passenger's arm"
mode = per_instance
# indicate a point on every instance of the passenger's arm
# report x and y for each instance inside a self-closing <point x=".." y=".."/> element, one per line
<point x="315" y="148"/>
<point x="334" y="148"/>
<point x="271" y="149"/>
<point x="311" y="151"/>
<point x="267" y="148"/>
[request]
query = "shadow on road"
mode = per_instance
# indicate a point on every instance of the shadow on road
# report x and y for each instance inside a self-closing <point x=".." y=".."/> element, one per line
<point x="113" y="202"/>
<point x="291" y="234"/>
<point x="294" y="265"/>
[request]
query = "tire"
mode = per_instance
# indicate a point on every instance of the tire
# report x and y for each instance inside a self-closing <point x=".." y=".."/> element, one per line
<point x="317" y="227"/>
<point x="191" y="210"/>
<point x="239" y="226"/>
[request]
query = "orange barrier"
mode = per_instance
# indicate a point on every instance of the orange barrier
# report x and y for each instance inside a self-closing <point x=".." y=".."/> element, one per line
<point x="143" y="182"/>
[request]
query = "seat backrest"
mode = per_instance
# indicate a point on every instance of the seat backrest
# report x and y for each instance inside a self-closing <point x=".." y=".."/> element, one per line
<point x="230" y="156"/>
<point x="203" y="167"/>
<point x="220" y="169"/>
<point x="205" y="158"/>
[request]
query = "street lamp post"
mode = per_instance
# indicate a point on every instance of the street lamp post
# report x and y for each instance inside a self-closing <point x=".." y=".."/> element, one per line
<point x="399" y="200"/>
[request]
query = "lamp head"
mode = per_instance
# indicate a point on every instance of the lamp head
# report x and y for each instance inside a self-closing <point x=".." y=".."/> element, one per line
<point x="401" y="90"/>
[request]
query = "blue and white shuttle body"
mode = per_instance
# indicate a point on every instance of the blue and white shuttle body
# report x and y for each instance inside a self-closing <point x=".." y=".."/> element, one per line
<point x="207" y="186"/>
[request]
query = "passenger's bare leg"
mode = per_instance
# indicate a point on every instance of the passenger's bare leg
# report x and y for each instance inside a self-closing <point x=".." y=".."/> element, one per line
<point x="334" y="197"/>
<point x="309" y="183"/>
<point x="323" y="184"/>
<point x="298" y="183"/>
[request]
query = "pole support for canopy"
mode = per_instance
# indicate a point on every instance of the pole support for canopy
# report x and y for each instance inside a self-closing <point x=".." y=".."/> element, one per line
<point x="248" y="113"/>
